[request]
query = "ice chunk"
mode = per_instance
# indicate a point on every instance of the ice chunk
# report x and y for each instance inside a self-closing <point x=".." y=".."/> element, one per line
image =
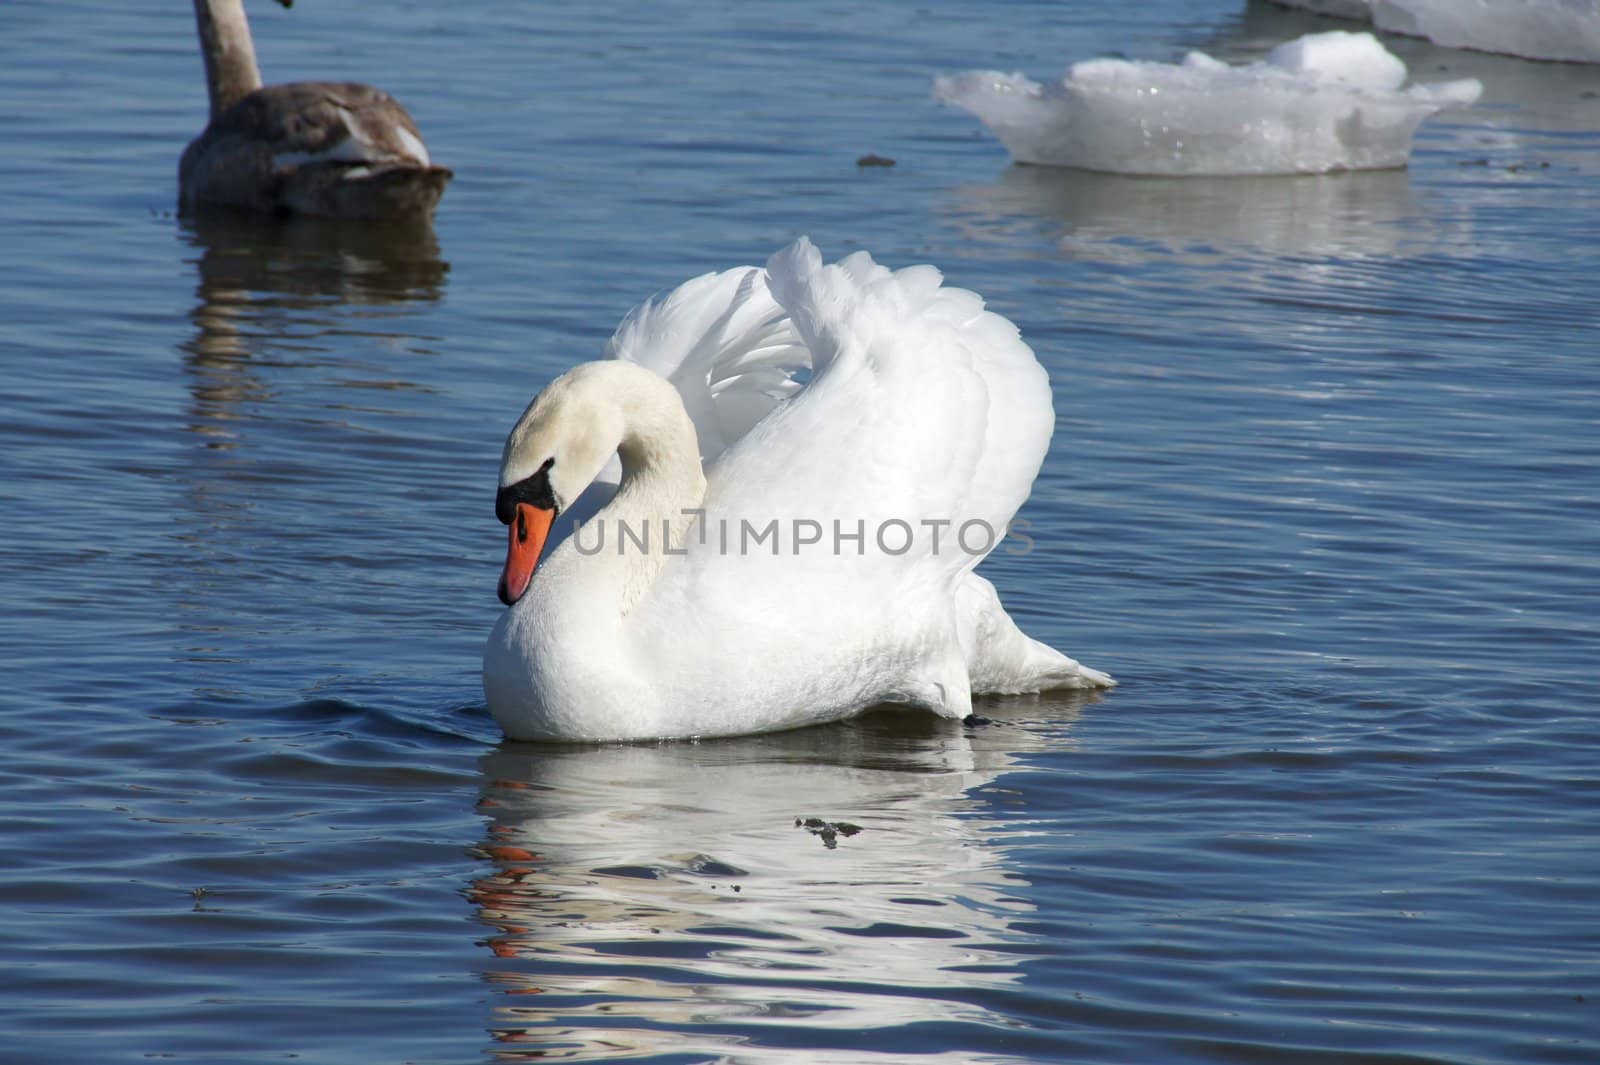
<point x="1360" y="9"/>
<point x="1326" y="101"/>
<point x="1533" y="29"/>
<point x="1355" y="59"/>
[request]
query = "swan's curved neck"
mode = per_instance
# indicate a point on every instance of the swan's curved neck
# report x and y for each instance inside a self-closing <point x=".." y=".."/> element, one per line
<point x="662" y="483"/>
<point x="231" y="71"/>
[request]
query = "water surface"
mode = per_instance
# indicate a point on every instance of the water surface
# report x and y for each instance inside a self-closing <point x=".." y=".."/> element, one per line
<point x="1324" y="496"/>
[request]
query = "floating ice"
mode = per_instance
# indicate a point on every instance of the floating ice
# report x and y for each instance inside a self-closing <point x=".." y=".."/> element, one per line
<point x="1361" y="9"/>
<point x="1534" y="29"/>
<point x="1326" y="101"/>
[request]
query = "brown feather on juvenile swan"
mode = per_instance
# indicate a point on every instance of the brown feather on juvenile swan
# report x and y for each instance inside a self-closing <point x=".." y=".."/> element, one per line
<point x="332" y="149"/>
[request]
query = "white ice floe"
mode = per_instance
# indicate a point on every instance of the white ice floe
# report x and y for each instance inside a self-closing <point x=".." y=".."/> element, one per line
<point x="1534" y="29"/>
<point x="1326" y="101"/>
<point x="1361" y="9"/>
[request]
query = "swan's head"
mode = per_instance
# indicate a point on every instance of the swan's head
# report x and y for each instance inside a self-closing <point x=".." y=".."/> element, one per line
<point x="559" y="445"/>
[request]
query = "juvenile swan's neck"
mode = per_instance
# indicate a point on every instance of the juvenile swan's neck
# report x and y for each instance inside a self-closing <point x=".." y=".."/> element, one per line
<point x="231" y="71"/>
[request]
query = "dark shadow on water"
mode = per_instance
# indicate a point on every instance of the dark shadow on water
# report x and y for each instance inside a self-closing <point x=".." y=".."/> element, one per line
<point x="639" y="896"/>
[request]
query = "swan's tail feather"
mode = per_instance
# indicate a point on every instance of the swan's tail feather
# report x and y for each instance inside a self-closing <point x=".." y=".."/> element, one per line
<point x="1054" y="670"/>
<point x="1001" y="658"/>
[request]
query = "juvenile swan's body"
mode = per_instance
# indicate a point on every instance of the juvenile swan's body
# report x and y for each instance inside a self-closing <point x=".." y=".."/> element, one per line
<point x="774" y="554"/>
<point x="332" y="149"/>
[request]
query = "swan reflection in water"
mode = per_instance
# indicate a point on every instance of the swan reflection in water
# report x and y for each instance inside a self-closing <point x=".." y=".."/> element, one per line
<point x="266" y="284"/>
<point x="306" y="262"/>
<point x="296" y="326"/>
<point x="728" y="890"/>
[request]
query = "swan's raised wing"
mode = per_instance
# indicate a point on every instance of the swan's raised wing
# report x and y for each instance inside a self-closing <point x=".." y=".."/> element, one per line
<point x="726" y="345"/>
<point x="840" y="532"/>
<point x="924" y="412"/>
<point x="728" y="348"/>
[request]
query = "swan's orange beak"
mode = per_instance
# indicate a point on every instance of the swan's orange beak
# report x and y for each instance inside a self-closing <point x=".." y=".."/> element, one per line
<point x="530" y="528"/>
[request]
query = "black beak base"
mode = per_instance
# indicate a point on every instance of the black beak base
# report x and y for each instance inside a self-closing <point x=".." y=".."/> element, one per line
<point x="534" y="489"/>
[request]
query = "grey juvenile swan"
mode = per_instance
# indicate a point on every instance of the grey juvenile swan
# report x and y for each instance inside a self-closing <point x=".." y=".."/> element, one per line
<point x="332" y="149"/>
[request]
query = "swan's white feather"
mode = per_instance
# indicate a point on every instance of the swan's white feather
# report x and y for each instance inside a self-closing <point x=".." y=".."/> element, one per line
<point x="922" y="411"/>
<point x="726" y="345"/>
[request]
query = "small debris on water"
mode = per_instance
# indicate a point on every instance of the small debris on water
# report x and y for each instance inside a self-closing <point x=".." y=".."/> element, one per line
<point x="873" y="159"/>
<point x="828" y="831"/>
<point x="1510" y="168"/>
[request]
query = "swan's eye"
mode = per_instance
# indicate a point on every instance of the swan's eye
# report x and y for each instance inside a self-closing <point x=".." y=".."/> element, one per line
<point x="534" y="489"/>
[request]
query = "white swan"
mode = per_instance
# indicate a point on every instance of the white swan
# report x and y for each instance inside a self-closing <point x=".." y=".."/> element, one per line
<point x="329" y="149"/>
<point x="775" y="554"/>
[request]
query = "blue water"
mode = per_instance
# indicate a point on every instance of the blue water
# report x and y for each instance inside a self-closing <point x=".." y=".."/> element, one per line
<point x="1325" y="496"/>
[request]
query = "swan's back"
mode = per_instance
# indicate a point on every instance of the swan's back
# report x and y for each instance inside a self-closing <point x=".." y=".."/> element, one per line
<point x="331" y="149"/>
